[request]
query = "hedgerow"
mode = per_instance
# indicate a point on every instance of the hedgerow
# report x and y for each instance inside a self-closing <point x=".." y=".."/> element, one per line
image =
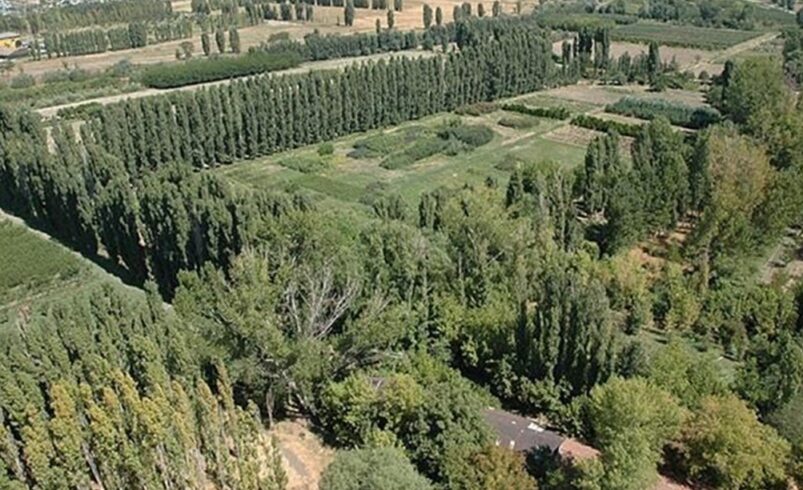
<point x="220" y="68"/>
<point x="693" y="117"/>
<point x="548" y="112"/>
<point x="606" y="125"/>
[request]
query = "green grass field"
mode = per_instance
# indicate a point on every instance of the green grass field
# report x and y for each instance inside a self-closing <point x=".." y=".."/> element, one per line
<point x="34" y="268"/>
<point x="682" y="36"/>
<point x="354" y="172"/>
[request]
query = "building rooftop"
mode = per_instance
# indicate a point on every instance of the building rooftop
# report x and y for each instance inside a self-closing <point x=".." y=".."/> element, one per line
<point x="520" y="433"/>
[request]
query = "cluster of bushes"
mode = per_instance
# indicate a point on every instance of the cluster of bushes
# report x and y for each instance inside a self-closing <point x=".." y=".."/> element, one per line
<point x="576" y="22"/>
<point x="305" y="164"/>
<point x="793" y="54"/>
<point x="217" y="68"/>
<point x="423" y="148"/>
<point x="459" y="137"/>
<point x="384" y="144"/>
<point x="547" y="112"/>
<point x="517" y="122"/>
<point x="478" y="109"/>
<point x="452" y="139"/>
<point x="82" y="111"/>
<point x="677" y="113"/>
<point x="606" y="125"/>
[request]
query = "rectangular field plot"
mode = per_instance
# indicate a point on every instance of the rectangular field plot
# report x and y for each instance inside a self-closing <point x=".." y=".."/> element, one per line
<point x="411" y="159"/>
<point x="31" y="265"/>
<point x="683" y="36"/>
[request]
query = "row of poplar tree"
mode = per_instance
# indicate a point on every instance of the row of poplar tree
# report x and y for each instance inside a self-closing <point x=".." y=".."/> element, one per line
<point x="87" y="14"/>
<point x="98" y="40"/>
<point x="106" y="391"/>
<point x="264" y="115"/>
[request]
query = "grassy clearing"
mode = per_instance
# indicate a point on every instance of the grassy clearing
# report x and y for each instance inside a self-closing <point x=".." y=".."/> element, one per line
<point x="683" y="36"/>
<point x="358" y="168"/>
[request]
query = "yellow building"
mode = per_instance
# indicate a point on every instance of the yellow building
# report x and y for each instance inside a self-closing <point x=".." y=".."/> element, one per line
<point x="9" y="39"/>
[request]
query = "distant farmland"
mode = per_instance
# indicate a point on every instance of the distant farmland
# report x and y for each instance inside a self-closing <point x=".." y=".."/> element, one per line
<point x="682" y="36"/>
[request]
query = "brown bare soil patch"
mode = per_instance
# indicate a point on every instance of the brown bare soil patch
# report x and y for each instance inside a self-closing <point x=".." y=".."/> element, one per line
<point x="577" y="136"/>
<point x="304" y="455"/>
<point x="684" y="56"/>
<point x="572" y="135"/>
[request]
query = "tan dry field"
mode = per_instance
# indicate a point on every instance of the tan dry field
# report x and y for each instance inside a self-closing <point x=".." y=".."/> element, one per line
<point x="608" y="94"/>
<point x="326" y="20"/>
<point x="165" y="52"/>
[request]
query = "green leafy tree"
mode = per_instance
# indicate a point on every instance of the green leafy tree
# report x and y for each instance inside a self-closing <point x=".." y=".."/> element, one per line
<point x="631" y="421"/>
<point x="220" y="41"/>
<point x="427" y="13"/>
<point x="234" y="40"/>
<point x="206" y="44"/>
<point x="348" y="15"/>
<point x="385" y="468"/>
<point x="724" y="445"/>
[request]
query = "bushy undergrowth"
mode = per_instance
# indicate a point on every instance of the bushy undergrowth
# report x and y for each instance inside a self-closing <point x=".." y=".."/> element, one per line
<point x="548" y="112"/>
<point x="306" y="164"/>
<point x="517" y="122"/>
<point x="478" y="109"/>
<point x="452" y="139"/>
<point x="606" y="125"/>
<point x="677" y="113"/>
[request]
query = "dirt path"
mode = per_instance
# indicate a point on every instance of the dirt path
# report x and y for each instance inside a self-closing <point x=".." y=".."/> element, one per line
<point x="333" y="64"/>
<point x="724" y="55"/>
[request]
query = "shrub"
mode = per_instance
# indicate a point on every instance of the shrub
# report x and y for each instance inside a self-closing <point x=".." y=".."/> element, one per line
<point x="679" y="114"/>
<point x="548" y="112"/>
<point x="478" y="109"/>
<point x="385" y="468"/>
<point x="83" y="111"/>
<point x="605" y="125"/>
<point x="23" y="80"/>
<point x="517" y="122"/>
<point x="424" y="148"/>
<point x="472" y="136"/>
<point x="218" y="68"/>
<point x="303" y="164"/>
<point x="384" y="144"/>
<point x="326" y="149"/>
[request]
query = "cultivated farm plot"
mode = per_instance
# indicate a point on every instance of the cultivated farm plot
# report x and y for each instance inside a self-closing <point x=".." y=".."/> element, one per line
<point x="32" y="266"/>
<point x="591" y="97"/>
<point x="352" y="177"/>
<point x="358" y="168"/>
<point x="682" y="36"/>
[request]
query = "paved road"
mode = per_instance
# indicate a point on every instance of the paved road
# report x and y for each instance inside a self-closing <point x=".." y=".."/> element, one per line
<point x="333" y="64"/>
